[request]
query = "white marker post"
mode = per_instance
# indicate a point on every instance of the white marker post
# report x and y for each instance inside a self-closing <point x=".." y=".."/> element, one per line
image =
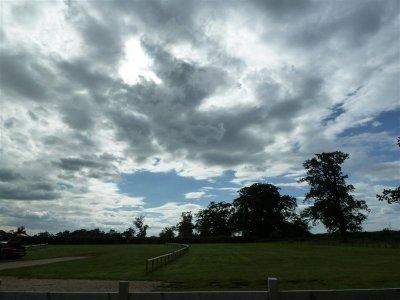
<point x="273" y="288"/>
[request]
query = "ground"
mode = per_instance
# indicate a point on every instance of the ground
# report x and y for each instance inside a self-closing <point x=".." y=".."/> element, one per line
<point x="226" y="266"/>
<point x="72" y="285"/>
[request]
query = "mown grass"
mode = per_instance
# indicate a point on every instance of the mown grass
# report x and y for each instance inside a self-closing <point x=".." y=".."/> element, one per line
<point x="104" y="261"/>
<point x="229" y="266"/>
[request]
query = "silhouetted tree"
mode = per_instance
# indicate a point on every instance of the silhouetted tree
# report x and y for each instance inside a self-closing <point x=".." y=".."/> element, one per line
<point x="129" y="233"/>
<point x="21" y="230"/>
<point x="167" y="233"/>
<point x="389" y="195"/>
<point x="141" y="228"/>
<point x="296" y="227"/>
<point x="215" y="220"/>
<point x="113" y="233"/>
<point x="185" y="226"/>
<point x="44" y="234"/>
<point x="333" y="204"/>
<point x="261" y="211"/>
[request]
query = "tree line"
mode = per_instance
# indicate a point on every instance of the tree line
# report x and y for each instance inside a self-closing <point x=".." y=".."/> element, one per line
<point x="261" y="211"/>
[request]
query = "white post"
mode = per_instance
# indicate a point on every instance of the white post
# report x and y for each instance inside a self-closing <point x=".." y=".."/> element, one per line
<point x="123" y="290"/>
<point x="273" y="292"/>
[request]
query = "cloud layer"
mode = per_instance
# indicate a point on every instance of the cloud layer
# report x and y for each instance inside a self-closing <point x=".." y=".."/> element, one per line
<point x="90" y="92"/>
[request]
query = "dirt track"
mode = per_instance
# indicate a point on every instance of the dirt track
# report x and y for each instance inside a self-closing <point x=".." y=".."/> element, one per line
<point x="71" y="285"/>
<point x="36" y="262"/>
<point x="8" y="283"/>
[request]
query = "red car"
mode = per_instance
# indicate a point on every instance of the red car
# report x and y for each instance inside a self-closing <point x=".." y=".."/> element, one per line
<point x="11" y="250"/>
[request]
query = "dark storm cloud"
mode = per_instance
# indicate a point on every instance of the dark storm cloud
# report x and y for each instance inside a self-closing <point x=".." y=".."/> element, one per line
<point x="281" y="104"/>
<point x="87" y="166"/>
<point x="8" y="175"/>
<point x="28" y="191"/>
<point x="283" y="9"/>
<point x="135" y="130"/>
<point x="69" y="142"/>
<point x="167" y="115"/>
<point x="170" y="113"/>
<point x="104" y="42"/>
<point x="77" y="113"/>
<point x="101" y="162"/>
<point x="20" y="75"/>
<point x="192" y="83"/>
<point x="75" y="164"/>
<point x="353" y="24"/>
<point x="171" y="20"/>
<point x="81" y="72"/>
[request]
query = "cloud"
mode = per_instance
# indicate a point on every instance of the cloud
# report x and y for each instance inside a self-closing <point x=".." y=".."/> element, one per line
<point x="8" y="175"/>
<point x="167" y="214"/>
<point x="194" y="195"/>
<point x="77" y="113"/>
<point x="33" y="191"/>
<point x="246" y="88"/>
<point x="24" y="78"/>
<point x="383" y="171"/>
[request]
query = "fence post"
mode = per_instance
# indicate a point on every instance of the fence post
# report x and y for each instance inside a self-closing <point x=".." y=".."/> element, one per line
<point x="273" y="288"/>
<point x="123" y="290"/>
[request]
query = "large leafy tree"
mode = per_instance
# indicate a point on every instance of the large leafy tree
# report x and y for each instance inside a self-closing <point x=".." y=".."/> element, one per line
<point x="215" y="220"/>
<point x="330" y="195"/>
<point x="261" y="211"/>
<point x="185" y="226"/>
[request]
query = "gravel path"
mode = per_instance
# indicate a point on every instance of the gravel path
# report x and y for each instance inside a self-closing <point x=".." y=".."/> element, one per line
<point x="36" y="262"/>
<point x="71" y="285"/>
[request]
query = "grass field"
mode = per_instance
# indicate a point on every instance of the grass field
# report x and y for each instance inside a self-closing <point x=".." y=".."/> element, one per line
<point x="228" y="266"/>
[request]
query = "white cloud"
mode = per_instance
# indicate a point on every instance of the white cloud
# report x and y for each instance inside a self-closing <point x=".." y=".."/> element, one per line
<point x="93" y="91"/>
<point x="136" y="64"/>
<point x="194" y="195"/>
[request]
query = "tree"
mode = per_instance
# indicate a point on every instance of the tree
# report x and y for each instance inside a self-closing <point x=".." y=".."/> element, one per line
<point x="141" y="228"/>
<point x="167" y="233"/>
<point x="297" y="227"/>
<point x="391" y="196"/>
<point x="185" y="226"/>
<point x="129" y="233"/>
<point x="333" y="204"/>
<point x="215" y="220"/>
<point x="21" y="230"/>
<point x="113" y="233"/>
<point x="261" y="211"/>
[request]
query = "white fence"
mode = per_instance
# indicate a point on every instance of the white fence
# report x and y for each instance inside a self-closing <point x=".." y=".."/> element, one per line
<point x="159" y="261"/>
<point x="273" y="293"/>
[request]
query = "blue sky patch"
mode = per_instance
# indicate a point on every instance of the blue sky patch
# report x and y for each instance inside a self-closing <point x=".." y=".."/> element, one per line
<point x="161" y="187"/>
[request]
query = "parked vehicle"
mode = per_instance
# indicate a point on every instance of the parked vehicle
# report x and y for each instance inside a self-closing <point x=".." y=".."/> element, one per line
<point x="11" y="249"/>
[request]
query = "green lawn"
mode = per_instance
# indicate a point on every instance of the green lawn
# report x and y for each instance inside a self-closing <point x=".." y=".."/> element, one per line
<point x="229" y="266"/>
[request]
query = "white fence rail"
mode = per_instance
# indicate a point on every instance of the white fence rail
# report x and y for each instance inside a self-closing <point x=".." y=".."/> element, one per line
<point x="273" y="293"/>
<point x="159" y="261"/>
<point x="359" y="294"/>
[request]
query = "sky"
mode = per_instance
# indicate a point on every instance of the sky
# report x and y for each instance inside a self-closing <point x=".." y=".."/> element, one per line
<point x="114" y="109"/>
